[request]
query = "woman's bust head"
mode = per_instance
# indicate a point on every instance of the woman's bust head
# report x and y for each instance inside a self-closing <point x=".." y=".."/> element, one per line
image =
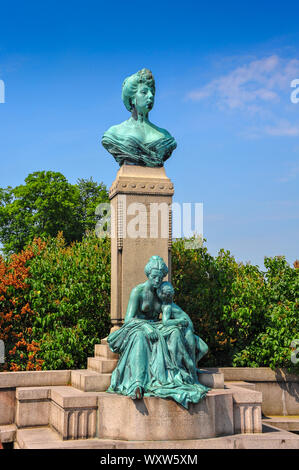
<point x="138" y="91"/>
<point x="137" y="141"/>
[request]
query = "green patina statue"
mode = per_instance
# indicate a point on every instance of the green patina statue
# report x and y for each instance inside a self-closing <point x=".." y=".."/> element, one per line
<point x="137" y="141"/>
<point x="157" y="358"/>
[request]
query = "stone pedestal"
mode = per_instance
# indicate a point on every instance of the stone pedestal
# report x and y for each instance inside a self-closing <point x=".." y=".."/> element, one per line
<point x="141" y="199"/>
<point x="157" y="419"/>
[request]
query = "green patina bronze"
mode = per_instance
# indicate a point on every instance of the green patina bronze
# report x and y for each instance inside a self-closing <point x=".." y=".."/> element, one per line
<point x="137" y="141"/>
<point x="157" y="358"/>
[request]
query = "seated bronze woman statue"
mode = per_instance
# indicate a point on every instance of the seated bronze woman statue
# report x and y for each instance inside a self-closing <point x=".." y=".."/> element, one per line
<point x="137" y="141"/>
<point x="157" y="358"/>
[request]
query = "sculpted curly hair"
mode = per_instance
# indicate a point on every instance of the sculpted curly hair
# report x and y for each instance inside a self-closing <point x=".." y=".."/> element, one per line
<point x="156" y="262"/>
<point x="130" y="86"/>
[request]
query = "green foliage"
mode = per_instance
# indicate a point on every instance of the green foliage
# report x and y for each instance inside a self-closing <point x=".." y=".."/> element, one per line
<point x="271" y="345"/>
<point x="91" y="194"/>
<point x="55" y="304"/>
<point x="70" y="293"/>
<point x="16" y="316"/>
<point x="46" y="204"/>
<point x="246" y="316"/>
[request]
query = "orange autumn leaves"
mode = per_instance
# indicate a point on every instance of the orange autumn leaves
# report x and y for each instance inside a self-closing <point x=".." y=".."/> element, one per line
<point x="15" y="312"/>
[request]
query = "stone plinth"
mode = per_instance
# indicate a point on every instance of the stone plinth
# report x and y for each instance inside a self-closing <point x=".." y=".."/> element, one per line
<point x="141" y="199"/>
<point x="157" y="419"/>
<point x="33" y="406"/>
<point x="211" y="379"/>
<point x="7" y="405"/>
<point x="71" y="413"/>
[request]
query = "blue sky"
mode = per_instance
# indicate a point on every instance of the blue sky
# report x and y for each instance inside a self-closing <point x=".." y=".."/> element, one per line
<point x="223" y="72"/>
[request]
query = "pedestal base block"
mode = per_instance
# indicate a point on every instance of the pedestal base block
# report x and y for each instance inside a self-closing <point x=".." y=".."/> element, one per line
<point x="159" y="419"/>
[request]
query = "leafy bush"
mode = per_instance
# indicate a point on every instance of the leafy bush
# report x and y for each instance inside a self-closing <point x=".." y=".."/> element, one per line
<point x="247" y="317"/>
<point x="55" y="304"/>
<point x="271" y="345"/>
<point x="16" y="315"/>
<point x="70" y="293"/>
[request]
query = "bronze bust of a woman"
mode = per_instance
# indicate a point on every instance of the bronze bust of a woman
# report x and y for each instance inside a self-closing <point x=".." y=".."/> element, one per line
<point x="137" y="141"/>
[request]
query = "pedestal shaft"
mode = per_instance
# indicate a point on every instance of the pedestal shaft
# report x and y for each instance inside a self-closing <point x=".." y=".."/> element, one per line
<point x="141" y="199"/>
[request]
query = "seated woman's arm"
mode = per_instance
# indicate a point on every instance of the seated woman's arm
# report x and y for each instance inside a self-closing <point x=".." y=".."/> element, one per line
<point x="133" y="305"/>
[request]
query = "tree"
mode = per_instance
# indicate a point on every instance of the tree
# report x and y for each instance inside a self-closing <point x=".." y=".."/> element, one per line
<point x="91" y="195"/>
<point x="45" y="205"/>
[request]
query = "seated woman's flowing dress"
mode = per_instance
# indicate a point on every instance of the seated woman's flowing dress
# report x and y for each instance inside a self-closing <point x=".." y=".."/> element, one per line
<point x="163" y="368"/>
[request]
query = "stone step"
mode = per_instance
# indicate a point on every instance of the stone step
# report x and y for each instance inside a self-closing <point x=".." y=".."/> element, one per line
<point x="46" y="438"/>
<point x="90" y="381"/>
<point x="7" y="432"/>
<point x="241" y="383"/>
<point x="103" y="350"/>
<point x="103" y="366"/>
<point x="286" y="423"/>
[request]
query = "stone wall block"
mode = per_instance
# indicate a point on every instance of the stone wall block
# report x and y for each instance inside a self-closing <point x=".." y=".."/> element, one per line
<point x="7" y="405"/>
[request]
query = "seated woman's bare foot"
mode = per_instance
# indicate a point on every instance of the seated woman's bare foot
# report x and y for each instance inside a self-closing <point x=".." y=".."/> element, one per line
<point x="139" y="393"/>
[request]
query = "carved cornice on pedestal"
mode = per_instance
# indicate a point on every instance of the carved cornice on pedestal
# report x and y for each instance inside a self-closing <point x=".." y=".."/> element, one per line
<point x="141" y="180"/>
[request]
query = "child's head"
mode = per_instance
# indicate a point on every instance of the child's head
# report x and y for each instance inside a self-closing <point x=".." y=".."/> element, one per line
<point x="165" y="292"/>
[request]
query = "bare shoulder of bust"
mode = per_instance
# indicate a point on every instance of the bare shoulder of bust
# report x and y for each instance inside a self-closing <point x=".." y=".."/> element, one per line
<point x="119" y="130"/>
<point x="161" y="130"/>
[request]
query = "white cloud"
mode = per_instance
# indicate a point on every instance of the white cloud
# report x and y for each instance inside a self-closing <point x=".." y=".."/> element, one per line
<point x="256" y="82"/>
<point x="277" y="128"/>
<point x="284" y="128"/>
<point x="292" y="174"/>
